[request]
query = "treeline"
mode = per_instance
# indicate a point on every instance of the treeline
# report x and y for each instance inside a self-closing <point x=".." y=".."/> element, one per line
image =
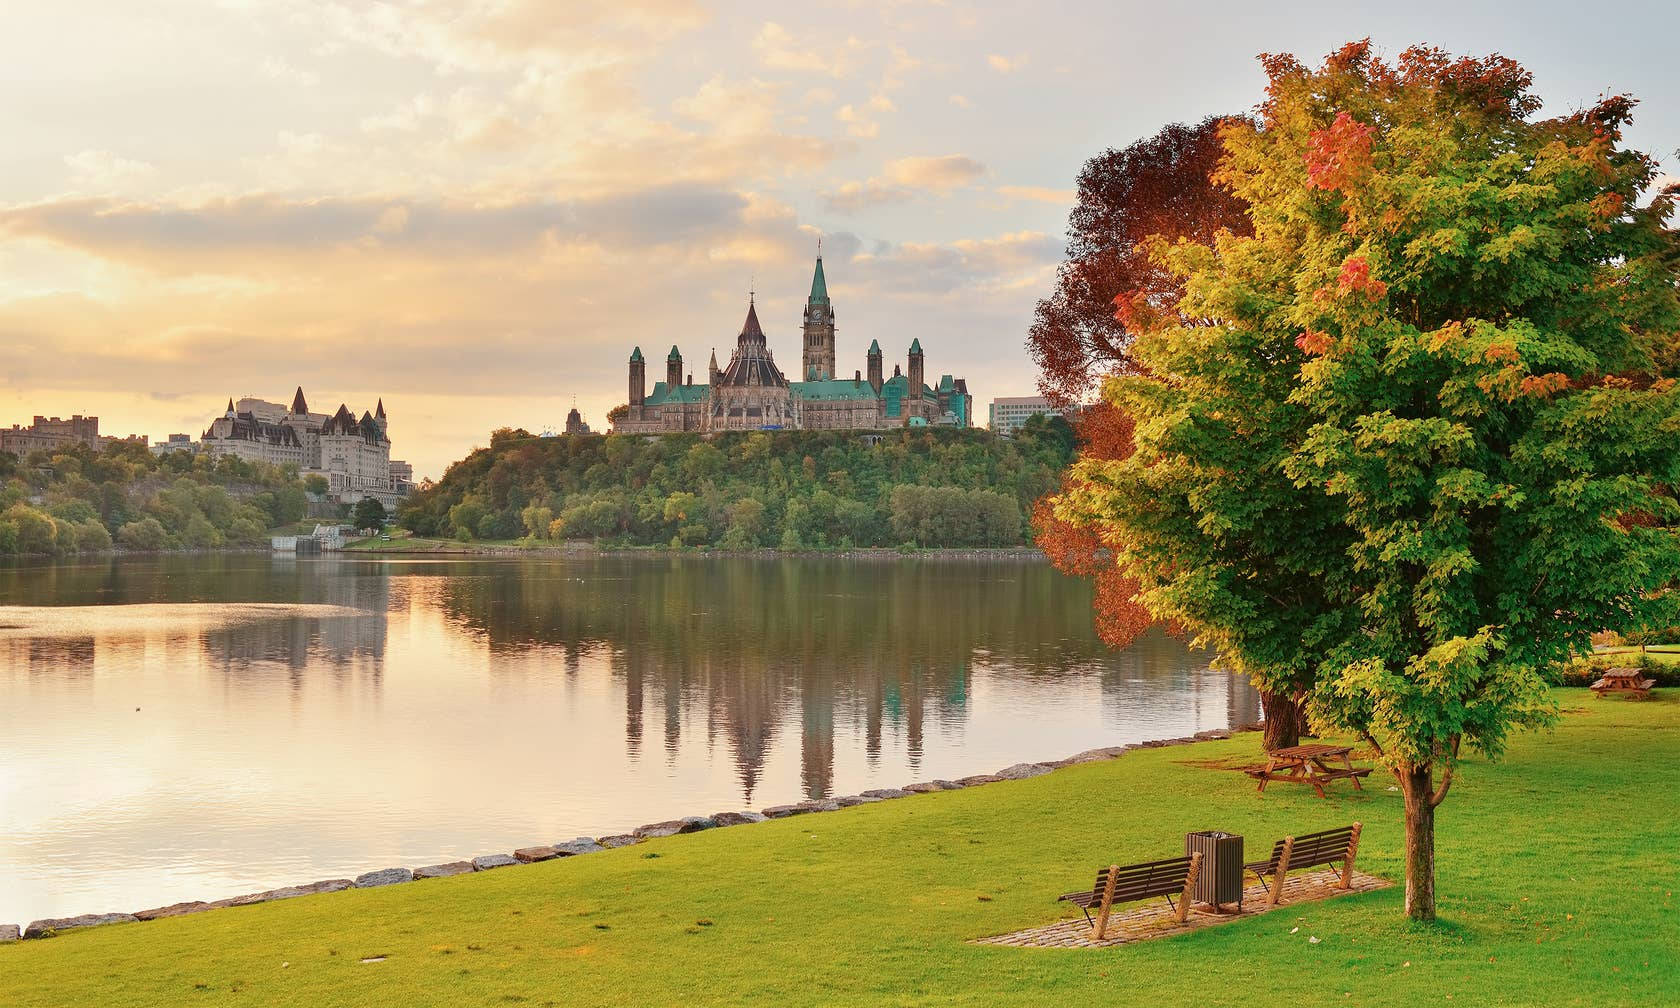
<point x="77" y="500"/>
<point x="926" y="487"/>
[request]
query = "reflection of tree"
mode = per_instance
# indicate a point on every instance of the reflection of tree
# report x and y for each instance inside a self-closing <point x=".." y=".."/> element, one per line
<point x="244" y="649"/>
<point x="887" y="643"/>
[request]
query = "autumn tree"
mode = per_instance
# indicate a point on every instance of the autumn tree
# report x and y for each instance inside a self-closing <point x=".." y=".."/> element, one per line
<point x="1160" y="185"/>
<point x="1461" y="317"/>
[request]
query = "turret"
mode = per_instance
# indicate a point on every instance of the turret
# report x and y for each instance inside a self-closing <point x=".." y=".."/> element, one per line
<point x="230" y="409"/>
<point x="301" y="408"/>
<point x="875" y="365"/>
<point x="380" y="421"/>
<point x="673" y="368"/>
<point x="713" y="372"/>
<point x="638" y="377"/>
<point x="916" y="369"/>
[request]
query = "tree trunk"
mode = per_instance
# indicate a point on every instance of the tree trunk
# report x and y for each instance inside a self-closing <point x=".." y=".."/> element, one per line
<point x="1417" y="785"/>
<point x="1282" y="721"/>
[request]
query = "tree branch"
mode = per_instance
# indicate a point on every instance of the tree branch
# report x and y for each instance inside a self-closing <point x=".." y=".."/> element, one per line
<point x="1440" y="794"/>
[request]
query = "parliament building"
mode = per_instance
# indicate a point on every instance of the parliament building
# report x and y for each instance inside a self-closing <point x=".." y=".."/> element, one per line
<point x="752" y="393"/>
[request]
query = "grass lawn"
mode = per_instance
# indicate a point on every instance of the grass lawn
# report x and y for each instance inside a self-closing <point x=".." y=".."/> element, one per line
<point x="1557" y="876"/>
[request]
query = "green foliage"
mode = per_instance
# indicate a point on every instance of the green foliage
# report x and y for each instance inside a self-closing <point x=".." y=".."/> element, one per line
<point x="795" y="489"/>
<point x="77" y="500"/>
<point x="370" y="514"/>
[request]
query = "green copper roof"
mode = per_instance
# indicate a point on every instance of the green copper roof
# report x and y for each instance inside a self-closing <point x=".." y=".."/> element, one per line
<point x="833" y="390"/>
<point x="915" y="346"/>
<point x="874" y="346"/>
<point x="663" y="394"/>
<point x="819" y="285"/>
<point x="673" y="355"/>
<point x="635" y="355"/>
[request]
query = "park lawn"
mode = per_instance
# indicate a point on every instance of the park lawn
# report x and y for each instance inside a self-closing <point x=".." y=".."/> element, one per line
<point x="1557" y="875"/>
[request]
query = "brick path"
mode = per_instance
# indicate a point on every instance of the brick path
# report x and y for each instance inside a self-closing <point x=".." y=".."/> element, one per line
<point x="1153" y="919"/>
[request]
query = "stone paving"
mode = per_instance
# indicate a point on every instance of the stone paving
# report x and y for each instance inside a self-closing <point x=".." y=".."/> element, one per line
<point x="1153" y="919"/>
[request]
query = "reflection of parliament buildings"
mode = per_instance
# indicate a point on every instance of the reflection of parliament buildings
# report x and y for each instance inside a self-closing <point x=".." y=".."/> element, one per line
<point x="741" y="637"/>
<point x="740" y="640"/>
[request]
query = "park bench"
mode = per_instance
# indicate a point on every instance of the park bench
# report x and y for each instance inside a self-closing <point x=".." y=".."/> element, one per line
<point x="1623" y="680"/>
<point x="1316" y="764"/>
<point x="1309" y="850"/>
<point x="1126" y="883"/>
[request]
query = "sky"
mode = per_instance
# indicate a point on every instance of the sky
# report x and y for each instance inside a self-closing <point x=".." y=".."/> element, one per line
<point x="474" y="209"/>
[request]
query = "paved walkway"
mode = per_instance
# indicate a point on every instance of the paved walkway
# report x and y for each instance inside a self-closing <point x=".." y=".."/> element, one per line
<point x="1152" y="919"/>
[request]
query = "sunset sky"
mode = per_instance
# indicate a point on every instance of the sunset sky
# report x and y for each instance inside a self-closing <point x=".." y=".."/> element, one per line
<point x="475" y="208"/>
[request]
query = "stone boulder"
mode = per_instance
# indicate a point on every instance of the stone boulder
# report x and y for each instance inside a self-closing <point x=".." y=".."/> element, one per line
<point x="485" y="862"/>
<point x="9" y="933"/>
<point x="851" y="800"/>
<point x="1098" y="755"/>
<point x="783" y="811"/>
<point x="383" y="877"/>
<point x="173" y="910"/>
<point x="444" y="870"/>
<point x="581" y="845"/>
<point x="531" y="855"/>
<point x="821" y="805"/>
<point x="671" y="827"/>
<point x="618" y="840"/>
<point x="977" y="779"/>
<point x="1022" y="771"/>
<point x="53" y="925"/>
<point x="737" y="818"/>
<point x="886" y="792"/>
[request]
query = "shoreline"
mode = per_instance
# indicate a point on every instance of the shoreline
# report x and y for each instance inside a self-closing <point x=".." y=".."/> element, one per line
<point x="539" y="852"/>
<point x="443" y="547"/>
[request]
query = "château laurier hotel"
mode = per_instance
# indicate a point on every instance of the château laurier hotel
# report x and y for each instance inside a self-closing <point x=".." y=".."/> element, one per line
<point x="752" y="393"/>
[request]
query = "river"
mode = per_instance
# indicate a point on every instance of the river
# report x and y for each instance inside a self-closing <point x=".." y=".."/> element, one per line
<point x="197" y="727"/>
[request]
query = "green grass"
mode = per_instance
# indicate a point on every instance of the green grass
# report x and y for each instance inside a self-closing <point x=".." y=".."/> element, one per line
<point x="1557" y="877"/>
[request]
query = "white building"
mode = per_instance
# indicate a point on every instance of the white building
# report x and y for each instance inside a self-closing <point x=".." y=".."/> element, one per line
<point x="1006" y="414"/>
<point x="353" y="454"/>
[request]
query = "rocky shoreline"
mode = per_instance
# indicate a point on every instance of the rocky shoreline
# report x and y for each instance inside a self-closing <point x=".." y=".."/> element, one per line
<point x="49" y="927"/>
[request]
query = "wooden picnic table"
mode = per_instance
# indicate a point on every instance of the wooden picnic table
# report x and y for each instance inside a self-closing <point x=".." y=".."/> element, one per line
<point x="1316" y="764"/>
<point x="1623" y="680"/>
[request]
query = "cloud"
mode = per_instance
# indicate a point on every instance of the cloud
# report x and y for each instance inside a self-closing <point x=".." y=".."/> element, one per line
<point x="903" y="180"/>
<point x="961" y="102"/>
<point x="1037" y="194"/>
<point x="1002" y="64"/>
<point x="101" y="171"/>
<point x="197" y="237"/>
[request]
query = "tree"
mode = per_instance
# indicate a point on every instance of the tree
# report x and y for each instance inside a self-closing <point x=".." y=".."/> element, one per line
<point x="1460" y="320"/>
<point x="1160" y="185"/>
<point x="316" y="484"/>
<point x="370" y="514"/>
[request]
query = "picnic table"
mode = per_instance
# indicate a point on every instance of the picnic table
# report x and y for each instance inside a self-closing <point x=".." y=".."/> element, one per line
<point x="1316" y="764"/>
<point x="1623" y="680"/>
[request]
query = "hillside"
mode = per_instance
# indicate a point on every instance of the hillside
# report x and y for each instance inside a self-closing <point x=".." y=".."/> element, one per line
<point x="927" y="487"/>
<point x="76" y="500"/>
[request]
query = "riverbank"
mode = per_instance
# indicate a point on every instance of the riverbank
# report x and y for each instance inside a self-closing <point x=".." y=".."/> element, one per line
<point x="879" y="903"/>
<point x="423" y="546"/>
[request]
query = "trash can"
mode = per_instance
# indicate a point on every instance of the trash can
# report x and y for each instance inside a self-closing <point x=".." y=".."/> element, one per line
<point x="1220" y="880"/>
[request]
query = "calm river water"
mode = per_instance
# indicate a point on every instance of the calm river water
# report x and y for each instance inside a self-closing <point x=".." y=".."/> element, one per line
<point x="199" y="727"/>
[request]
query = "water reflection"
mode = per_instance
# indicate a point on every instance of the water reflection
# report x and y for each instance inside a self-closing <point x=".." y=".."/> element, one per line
<point x="441" y="709"/>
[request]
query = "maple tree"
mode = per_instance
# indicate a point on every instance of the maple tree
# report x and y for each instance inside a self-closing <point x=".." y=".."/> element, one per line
<point x="1427" y="448"/>
<point x="1160" y="185"/>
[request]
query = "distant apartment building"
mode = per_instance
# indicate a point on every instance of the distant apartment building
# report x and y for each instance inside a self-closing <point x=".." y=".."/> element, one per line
<point x="53" y="433"/>
<point x="175" y="443"/>
<point x="1006" y="414"/>
<point x="353" y="454"/>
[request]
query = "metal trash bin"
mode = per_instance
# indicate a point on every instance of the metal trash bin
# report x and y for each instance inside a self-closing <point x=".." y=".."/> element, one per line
<point x="1220" y="880"/>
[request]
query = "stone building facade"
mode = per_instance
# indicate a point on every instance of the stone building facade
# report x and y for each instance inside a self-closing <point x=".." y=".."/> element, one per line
<point x="354" y="454"/>
<point x="53" y="433"/>
<point x="752" y="393"/>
